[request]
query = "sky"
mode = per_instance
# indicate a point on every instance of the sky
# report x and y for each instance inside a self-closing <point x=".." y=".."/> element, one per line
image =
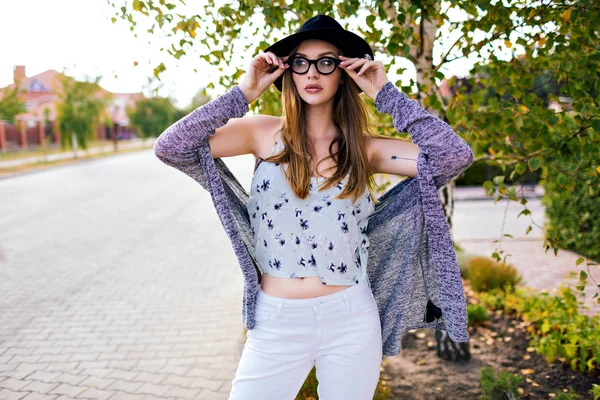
<point x="79" y="38"/>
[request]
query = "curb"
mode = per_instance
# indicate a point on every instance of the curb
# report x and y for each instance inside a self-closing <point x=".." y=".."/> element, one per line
<point x="69" y="162"/>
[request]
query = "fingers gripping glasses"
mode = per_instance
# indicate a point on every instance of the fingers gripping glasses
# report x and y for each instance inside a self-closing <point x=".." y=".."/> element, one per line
<point x="325" y="65"/>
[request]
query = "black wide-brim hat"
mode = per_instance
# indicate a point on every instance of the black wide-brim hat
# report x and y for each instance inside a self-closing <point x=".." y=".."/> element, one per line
<point x="322" y="27"/>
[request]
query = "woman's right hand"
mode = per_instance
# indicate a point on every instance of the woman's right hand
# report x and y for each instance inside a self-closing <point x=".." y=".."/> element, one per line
<point x="263" y="70"/>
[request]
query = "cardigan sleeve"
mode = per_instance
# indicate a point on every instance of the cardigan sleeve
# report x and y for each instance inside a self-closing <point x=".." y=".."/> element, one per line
<point x="177" y="146"/>
<point x="447" y="153"/>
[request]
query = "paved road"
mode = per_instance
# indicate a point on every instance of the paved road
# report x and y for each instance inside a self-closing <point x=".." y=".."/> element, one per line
<point x="111" y="286"/>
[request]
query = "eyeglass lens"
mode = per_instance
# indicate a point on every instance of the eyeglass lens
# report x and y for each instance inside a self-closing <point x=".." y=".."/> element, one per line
<point x="325" y="65"/>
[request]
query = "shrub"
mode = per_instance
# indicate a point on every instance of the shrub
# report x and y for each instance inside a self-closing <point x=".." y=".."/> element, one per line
<point x="557" y="330"/>
<point x="477" y="314"/>
<point x="570" y="395"/>
<point x="560" y="331"/>
<point x="485" y="273"/>
<point x="595" y="391"/>
<point x="499" y="387"/>
<point x="573" y="212"/>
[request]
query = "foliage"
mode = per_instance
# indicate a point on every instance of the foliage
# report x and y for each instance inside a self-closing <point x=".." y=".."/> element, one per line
<point x="485" y="273"/>
<point x="558" y="331"/>
<point x="573" y="215"/>
<point x="11" y="103"/>
<point x="501" y="386"/>
<point x="595" y="391"/>
<point x="570" y="395"/>
<point x="477" y="314"/>
<point x="483" y="171"/>
<point x="530" y="109"/>
<point x="79" y="109"/>
<point x="152" y="116"/>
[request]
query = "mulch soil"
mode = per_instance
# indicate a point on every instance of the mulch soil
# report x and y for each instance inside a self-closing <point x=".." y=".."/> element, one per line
<point x="502" y="343"/>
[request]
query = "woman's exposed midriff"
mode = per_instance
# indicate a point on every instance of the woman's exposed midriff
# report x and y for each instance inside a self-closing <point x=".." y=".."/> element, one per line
<point x="297" y="288"/>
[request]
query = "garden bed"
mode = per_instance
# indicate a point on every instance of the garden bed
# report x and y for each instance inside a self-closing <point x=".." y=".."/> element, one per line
<point x="418" y="373"/>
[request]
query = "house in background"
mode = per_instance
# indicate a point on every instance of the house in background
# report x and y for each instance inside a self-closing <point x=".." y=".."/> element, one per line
<point x="41" y="92"/>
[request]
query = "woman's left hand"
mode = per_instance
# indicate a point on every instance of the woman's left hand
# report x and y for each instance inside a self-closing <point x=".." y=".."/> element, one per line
<point x="370" y="77"/>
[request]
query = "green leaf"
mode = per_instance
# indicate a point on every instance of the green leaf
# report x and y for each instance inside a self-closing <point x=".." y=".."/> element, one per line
<point x="371" y="21"/>
<point x="533" y="163"/>
<point x="520" y="168"/>
<point x="519" y="122"/>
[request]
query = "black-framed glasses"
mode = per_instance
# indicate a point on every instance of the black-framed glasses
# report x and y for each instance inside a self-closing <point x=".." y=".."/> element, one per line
<point x="325" y="65"/>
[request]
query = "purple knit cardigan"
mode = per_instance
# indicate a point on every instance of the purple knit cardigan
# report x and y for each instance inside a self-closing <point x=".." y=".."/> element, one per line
<point x="412" y="266"/>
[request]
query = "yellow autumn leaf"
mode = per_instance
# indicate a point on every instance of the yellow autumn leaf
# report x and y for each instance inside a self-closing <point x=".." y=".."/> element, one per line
<point x="566" y="15"/>
<point x="523" y="108"/>
<point x="598" y="169"/>
<point x="527" y="371"/>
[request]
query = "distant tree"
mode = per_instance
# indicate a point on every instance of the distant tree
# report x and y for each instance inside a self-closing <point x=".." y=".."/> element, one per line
<point x="78" y="111"/>
<point x="11" y="103"/>
<point x="199" y="99"/>
<point x="152" y="116"/>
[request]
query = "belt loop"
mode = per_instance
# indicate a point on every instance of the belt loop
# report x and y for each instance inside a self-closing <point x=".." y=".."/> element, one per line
<point x="346" y="299"/>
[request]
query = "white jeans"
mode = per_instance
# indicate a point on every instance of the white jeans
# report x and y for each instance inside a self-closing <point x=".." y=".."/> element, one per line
<point x="339" y="333"/>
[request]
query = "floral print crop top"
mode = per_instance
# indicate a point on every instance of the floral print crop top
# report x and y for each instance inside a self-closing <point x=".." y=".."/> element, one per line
<point x="318" y="236"/>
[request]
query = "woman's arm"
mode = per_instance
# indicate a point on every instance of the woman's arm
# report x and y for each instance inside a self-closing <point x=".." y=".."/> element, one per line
<point x="177" y="145"/>
<point x="447" y="153"/>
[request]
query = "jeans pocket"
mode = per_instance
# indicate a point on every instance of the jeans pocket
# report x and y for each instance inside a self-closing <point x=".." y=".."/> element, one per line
<point x="364" y="303"/>
<point x="265" y="312"/>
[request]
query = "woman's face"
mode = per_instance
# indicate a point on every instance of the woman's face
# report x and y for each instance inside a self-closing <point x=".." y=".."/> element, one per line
<point x="313" y="49"/>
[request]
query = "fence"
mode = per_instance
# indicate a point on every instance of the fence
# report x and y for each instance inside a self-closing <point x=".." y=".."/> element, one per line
<point x="21" y="136"/>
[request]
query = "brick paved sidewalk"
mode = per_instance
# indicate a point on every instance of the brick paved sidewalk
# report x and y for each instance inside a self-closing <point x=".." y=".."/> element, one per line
<point x="112" y="287"/>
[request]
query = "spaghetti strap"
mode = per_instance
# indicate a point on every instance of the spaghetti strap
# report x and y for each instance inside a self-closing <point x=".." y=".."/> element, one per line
<point x="277" y="146"/>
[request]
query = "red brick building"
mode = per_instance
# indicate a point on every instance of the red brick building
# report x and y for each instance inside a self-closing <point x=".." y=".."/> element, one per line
<point x="40" y="93"/>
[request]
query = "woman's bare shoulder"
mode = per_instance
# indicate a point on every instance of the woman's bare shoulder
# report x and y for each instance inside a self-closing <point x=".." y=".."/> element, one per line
<point x="266" y="133"/>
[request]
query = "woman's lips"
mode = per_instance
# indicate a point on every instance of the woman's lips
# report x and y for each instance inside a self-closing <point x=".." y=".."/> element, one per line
<point x="313" y="90"/>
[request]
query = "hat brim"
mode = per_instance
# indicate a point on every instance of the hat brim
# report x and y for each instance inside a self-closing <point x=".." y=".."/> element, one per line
<point x="349" y="43"/>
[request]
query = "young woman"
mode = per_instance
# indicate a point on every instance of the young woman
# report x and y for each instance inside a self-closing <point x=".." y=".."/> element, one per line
<point x="303" y="234"/>
<point x="319" y="153"/>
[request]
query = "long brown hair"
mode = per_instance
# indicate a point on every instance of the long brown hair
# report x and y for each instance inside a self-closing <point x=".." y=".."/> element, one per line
<point x="351" y="117"/>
